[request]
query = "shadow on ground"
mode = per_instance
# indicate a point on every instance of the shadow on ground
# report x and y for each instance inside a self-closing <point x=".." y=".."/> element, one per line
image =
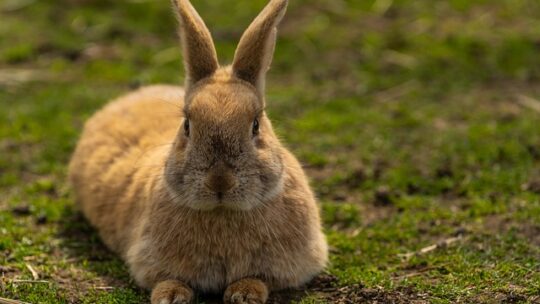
<point x="83" y="246"/>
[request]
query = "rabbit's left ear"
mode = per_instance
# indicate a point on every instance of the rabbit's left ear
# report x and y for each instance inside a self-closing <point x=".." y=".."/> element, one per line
<point x="256" y="48"/>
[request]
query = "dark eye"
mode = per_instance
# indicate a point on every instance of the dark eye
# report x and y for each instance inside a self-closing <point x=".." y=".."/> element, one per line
<point x="255" y="127"/>
<point x="186" y="127"/>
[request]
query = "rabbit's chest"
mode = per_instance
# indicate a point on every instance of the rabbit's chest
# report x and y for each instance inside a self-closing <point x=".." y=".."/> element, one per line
<point x="219" y="259"/>
<point x="209" y="253"/>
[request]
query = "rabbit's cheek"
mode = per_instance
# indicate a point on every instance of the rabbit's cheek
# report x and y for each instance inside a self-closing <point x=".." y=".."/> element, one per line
<point x="174" y="175"/>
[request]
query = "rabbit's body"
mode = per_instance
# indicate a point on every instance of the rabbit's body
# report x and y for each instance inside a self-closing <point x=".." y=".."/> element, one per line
<point x="117" y="174"/>
<point x="193" y="189"/>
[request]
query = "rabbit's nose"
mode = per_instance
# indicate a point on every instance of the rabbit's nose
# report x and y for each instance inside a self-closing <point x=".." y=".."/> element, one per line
<point x="220" y="181"/>
<point x="219" y="184"/>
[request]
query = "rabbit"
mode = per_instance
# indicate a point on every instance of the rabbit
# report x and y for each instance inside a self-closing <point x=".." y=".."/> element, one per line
<point x="208" y="200"/>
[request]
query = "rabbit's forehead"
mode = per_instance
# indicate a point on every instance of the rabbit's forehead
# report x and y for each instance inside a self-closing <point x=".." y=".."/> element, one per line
<point x="223" y="102"/>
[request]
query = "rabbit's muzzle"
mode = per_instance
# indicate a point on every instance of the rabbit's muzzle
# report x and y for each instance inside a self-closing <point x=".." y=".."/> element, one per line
<point x="220" y="180"/>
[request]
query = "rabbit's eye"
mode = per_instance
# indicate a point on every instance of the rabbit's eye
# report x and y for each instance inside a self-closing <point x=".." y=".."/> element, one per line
<point x="255" y="127"/>
<point x="186" y="127"/>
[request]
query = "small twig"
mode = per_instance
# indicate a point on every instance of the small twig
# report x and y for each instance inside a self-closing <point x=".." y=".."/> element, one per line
<point x="420" y="271"/>
<point x="396" y="92"/>
<point x="35" y="274"/>
<point x="430" y="248"/>
<point x="413" y="274"/>
<point x="13" y="77"/>
<point x="529" y="102"/>
<point x="104" y="288"/>
<point x="29" y="282"/>
<point x="12" y="6"/>
<point x="9" y="301"/>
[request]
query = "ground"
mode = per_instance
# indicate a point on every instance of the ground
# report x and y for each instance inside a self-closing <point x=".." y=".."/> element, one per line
<point x="418" y="123"/>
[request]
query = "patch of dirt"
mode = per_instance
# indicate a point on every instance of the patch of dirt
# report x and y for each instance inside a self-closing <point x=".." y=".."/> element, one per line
<point x="371" y="214"/>
<point x="326" y="287"/>
<point x="356" y="294"/>
<point x="501" y="223"/>
<point x="384" y="196"/>
<point x="506" y="297"/>
<point x="21" y="210"/>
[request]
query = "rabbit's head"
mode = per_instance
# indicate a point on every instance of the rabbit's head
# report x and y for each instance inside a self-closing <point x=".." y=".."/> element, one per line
<point x="225" y="154"/>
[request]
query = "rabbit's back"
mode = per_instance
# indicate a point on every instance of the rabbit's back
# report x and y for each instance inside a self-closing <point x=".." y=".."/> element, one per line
<point x="121" y="151"/>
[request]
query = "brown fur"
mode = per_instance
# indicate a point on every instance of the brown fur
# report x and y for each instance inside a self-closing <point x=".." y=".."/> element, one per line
<point x="209" y="206"/>
<point x="200" y="58"/>
<point x="254" y="53"/>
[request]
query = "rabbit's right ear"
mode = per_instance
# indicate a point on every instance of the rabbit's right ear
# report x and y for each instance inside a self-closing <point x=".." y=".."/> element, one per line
<point x="256" y="48"/>
<point x="200" y="58"/>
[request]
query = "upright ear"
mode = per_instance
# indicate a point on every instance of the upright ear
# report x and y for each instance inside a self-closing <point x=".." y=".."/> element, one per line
<point x="256" y="48"/>
<point x="200" y="58"/>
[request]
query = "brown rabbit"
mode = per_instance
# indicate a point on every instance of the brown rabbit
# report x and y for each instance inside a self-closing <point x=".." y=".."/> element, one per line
<point x="210" y="200"/>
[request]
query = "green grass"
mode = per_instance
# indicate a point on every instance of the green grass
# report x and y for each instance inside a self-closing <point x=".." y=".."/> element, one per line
<point x="406" y="114"/>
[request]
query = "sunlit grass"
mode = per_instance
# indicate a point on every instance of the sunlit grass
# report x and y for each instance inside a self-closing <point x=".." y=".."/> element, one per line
<point x="405" y="114"/>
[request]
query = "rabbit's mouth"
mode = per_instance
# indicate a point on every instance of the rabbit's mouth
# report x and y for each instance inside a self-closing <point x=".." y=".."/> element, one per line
<point x="231" y="200"/>
<point x="219" y="196"/>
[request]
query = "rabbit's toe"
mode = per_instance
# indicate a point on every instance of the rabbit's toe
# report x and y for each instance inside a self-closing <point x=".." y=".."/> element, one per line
<point x="246" y="291"/>
<point x="172" y="292"/>
<point x="241" y="298"/>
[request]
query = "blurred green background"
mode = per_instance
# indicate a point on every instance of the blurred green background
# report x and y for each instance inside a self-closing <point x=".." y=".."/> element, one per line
<point x="418" y="123"/>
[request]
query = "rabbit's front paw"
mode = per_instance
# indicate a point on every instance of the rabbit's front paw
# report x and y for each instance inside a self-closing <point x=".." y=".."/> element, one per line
<point x="246" y="291"/>
<point x="172" y="292"/>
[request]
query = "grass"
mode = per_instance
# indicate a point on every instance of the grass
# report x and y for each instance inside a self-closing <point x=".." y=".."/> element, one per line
<point x="408" y="116"/>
